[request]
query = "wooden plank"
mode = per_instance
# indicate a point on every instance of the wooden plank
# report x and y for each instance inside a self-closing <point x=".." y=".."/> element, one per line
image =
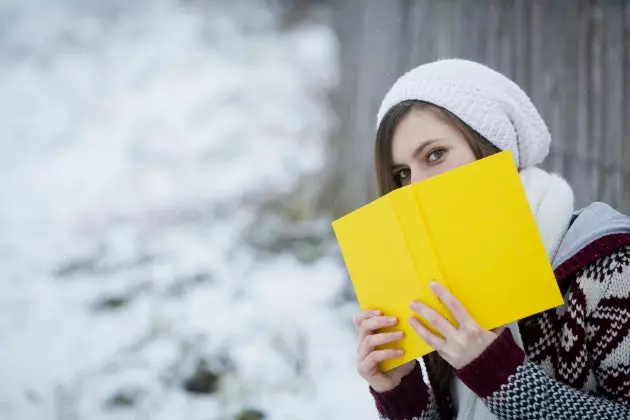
<point x="466" y="30"/>
<point x="558" y="68"/>
<point x="475" y="14"/>
<point x="405" y="40"/>
<point x="520" y="40"/>
<point x="596" y="132"/>
<point x="337" y="194"/>
<point x="442" y="24"/>
<point x="482" y="12"/>
<point x="506" y="19"/>
<point x="462" y="29"/>
<point x="551" y="79"/>
<point x="538" y="63"/>
<point x="379" y="68"/>
<point x="625" y="141"/>
<point x="612" y="104"/>
<point x="581" y="182"/>
<point x="492" y="27"/>
<point x="424" y="21"/>
<point x="421" y="45"/>
<point x="570" y="81"/>
<point x="535" y="59"/>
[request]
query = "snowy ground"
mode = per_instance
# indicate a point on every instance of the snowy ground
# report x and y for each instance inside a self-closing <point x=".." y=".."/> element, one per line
<point x="137" y="139"/>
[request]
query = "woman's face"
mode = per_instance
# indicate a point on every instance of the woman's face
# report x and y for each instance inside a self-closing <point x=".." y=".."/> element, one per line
<point x="424" y="146"/>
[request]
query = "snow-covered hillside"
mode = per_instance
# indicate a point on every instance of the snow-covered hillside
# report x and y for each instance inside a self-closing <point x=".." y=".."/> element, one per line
<point x="139" y="142"/>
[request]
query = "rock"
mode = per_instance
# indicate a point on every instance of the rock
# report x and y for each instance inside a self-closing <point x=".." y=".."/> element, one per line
<point x="124" y="399"/>
<point x="120" y="299"/>
<point x="79" y="266"/>
<point x="182" y="285"/>
<point x="98" y="264"/>
<point x="203" y="380"/>
<point x="111" y="302"/>
<point x="250" y="414"/>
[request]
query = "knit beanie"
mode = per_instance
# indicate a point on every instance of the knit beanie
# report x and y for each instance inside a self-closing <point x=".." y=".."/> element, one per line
<point x="490" y="103"/>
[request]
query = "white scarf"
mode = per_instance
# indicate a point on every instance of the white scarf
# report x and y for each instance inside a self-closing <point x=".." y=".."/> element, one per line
<point x="551" y="201"/>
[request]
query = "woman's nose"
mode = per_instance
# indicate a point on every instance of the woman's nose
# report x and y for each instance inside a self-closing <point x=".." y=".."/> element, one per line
<point x="417" y="176"/>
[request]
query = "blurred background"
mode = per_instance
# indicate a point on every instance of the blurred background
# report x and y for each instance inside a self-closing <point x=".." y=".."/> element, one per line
<point x="169" y="170"/>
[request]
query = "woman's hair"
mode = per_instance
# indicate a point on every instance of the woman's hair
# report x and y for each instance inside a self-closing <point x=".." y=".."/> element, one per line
<point x="383" y="146"/>
<point x="439" y="370"/>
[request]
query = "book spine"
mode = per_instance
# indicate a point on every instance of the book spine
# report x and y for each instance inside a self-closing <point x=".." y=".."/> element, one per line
<point x="420" y="247"/>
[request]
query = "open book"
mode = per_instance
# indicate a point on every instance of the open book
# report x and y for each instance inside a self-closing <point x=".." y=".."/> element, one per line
<point x="470" y="229"/>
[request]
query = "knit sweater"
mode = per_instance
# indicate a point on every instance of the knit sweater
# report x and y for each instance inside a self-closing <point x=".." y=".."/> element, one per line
<point x="576" y="363"/>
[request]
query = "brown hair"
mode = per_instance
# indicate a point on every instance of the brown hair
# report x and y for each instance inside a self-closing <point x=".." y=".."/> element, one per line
<point x="438" y="369"/>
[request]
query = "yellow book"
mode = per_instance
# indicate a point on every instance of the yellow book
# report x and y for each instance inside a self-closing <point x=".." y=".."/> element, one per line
<point x="470" y="229"/>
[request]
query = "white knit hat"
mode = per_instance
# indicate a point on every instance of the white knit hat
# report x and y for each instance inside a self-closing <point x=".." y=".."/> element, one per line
<point x="486" y="100"/>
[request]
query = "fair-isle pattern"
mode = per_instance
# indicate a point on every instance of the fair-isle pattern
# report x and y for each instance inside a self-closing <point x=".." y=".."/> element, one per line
<point x="431" y="413"/>
<point x="578" y="355"/>
<point x="532" y="395"/>
<point x="582" y="343"/>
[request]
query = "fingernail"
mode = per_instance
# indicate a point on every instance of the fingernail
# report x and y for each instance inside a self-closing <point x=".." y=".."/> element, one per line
<point x="399" y="333"/>
<point x="416" y="305"/>
<point x="376" y="313"/>
<point x="391" y="319"/>
<point x="400" y="351"/>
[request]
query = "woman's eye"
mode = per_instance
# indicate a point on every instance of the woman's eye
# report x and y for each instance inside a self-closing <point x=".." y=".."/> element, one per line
<point x="403" y="175"/>
<point x="435" y="155"/>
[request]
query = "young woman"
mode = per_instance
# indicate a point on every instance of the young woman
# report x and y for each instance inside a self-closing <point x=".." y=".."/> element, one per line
<point x="571" y="362"/>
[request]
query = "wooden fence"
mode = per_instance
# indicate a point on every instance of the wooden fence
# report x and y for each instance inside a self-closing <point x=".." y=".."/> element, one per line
<point x="572" y="57"/>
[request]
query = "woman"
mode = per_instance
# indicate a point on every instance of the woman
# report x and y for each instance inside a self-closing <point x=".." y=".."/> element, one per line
<point x="571" y="362"/>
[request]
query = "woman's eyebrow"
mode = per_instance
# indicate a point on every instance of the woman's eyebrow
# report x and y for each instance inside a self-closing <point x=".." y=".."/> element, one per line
<point x="423" y="146"/>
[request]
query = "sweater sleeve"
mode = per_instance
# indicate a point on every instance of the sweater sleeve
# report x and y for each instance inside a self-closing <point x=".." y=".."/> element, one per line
<point x="514" y="388"/>
<point x="410" y="400"/>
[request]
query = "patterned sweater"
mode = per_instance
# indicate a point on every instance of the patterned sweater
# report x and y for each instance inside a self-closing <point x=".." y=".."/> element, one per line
<point x="576" y="363"/>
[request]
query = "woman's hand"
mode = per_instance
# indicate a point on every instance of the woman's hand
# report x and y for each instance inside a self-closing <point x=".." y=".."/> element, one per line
<point x="459" y="345"/>
<point x="368" y="322"/>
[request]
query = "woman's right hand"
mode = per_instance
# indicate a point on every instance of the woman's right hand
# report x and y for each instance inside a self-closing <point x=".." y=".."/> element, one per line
<point x="368" y="358"/>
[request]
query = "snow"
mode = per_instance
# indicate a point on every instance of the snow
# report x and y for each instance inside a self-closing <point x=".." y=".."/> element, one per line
<point x="134" y="136"/>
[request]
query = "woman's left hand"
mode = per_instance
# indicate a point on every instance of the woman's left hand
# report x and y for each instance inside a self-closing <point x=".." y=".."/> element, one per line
<point x="459" y="345"/>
